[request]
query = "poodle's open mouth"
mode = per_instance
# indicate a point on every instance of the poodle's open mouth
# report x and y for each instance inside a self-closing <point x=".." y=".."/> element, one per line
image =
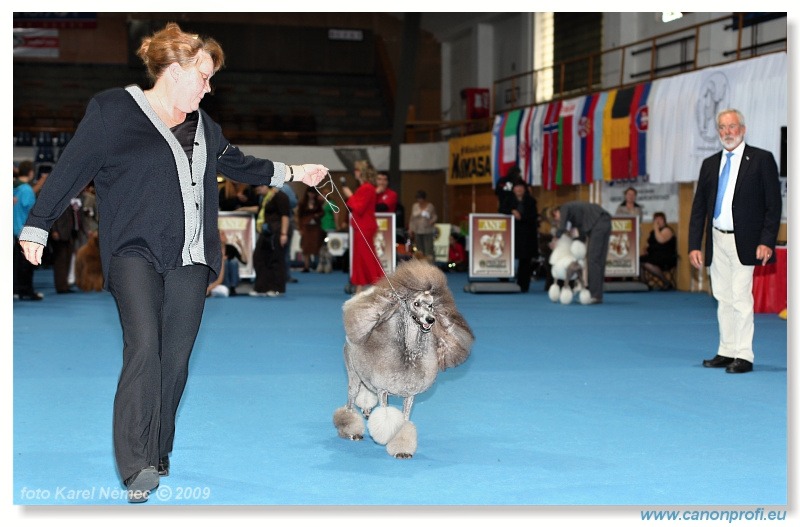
<point x="424" y="326"/>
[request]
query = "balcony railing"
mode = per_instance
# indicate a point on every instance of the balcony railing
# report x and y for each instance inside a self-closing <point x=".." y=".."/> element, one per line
<point x="686" y="49"/>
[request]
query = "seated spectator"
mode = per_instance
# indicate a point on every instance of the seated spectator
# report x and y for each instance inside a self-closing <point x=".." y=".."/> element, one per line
<point x="661" y="253"/>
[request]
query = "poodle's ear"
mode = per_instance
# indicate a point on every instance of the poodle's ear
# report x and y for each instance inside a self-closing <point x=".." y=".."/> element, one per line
<point x="453" y="336"/>
<point x="365" y="311"/>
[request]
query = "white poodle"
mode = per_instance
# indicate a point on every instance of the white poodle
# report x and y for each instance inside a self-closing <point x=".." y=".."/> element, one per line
<point x="567" y="262"/>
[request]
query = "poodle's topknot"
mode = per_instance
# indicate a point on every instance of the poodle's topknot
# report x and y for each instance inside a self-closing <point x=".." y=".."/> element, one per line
<point x="416" y="275"/>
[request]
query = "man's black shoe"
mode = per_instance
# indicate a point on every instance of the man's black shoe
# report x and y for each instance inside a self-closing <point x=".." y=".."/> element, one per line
<point x="739" y="366"/>
<point x="717" y="362"/>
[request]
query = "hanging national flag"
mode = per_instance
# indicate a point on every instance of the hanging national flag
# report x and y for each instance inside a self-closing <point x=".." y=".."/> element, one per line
<point x="550" y="148"/>
<point x="598" y="162"/>
<point x="620" y="134"/>
<point x="509" y="151"/>
<point x="586" y="133"/>
<point x="497" y="145"/>
<point x="606" y="148"/>
<point x="525" y="142"/>
<point x="537" y="144"/>
<point x="568" y="141"/>
<point x="639" y="121"/>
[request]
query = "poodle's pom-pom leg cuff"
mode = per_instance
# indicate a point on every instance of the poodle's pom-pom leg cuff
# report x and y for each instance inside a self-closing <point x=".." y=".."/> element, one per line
<point x="366" y="400"/>
<point x="585" y="296"/>
<point x="554" y="292"/>
<point x="384" y="422"/>
<point x="404" y="444"/>
<point x="349" y="423"/>
<point x="566" y="295"/>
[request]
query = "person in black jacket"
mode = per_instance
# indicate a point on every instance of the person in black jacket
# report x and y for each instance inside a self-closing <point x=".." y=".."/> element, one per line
<point x="593" y="226"/>
<point x="505" y="185"/>
<point x="522" y="205"/>
<point x="154" y="156"/>
<point x="737" y="206"/>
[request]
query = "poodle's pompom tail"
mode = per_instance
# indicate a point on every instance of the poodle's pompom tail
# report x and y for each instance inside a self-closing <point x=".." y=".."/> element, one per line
<point x="349" y="423"/>
<point x="404" y="444"/>
<point x="366" y="400"/>
<point x="554" y="292"/>
<point x="578" y="249"/>
<point x="384" y="423"/>
<point x="585" y="296"/>
<point x="566" y="295"/>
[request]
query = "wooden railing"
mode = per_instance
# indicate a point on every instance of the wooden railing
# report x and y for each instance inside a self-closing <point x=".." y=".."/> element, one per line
<point x="520" y="90"/>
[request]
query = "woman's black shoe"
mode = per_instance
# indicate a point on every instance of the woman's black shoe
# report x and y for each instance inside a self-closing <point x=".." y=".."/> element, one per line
<point x="163" y="466"/>
<point x="141" y="484"/>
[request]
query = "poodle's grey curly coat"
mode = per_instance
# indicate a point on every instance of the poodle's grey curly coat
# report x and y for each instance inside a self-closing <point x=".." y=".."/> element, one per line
<point x="399" y="334"/>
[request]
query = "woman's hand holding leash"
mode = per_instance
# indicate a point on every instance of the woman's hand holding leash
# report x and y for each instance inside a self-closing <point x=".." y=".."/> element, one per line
<point x="32" y="251"/>
<point x="309" y="174"/>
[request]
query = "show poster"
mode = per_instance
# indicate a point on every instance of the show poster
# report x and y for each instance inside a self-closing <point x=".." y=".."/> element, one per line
<point x="491" y="253"/>
<point x="623" y="247"/>
<point x="385" y="241"/>
<point x="240" y="230"/>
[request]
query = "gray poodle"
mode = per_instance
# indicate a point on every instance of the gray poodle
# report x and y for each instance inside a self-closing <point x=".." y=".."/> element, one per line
<point x="399" y="334"/>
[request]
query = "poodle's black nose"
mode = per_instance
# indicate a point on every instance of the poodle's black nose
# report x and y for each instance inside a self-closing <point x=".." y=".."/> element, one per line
<point x="429" y="320"/>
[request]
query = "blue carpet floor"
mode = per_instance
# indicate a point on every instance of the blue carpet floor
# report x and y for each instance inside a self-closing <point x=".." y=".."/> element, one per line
<point x="563" y="406"/>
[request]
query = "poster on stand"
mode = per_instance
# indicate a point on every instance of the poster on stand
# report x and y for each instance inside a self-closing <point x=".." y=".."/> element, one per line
<point x="491" y="246"/>
<point x="623" y="247"/>
<point x="385" y="241"/>
<point x="240" y="230"/>
<point x="441" y="242"/>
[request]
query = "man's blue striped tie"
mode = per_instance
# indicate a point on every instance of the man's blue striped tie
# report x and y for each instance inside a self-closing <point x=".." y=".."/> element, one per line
<point x="723" y="182"/>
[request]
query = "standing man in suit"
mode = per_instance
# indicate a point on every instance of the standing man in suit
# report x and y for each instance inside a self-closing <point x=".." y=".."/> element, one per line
<point x="738" y="206"/>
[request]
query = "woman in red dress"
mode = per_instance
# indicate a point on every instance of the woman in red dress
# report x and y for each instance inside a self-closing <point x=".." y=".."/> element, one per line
<point x="365" y="269"/>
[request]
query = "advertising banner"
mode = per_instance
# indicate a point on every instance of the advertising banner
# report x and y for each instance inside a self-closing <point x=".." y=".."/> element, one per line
<point x="470" y="160"/>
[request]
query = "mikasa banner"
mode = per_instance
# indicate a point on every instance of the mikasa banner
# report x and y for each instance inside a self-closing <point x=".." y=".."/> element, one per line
<point x="683" y="109"/>
<point x="470" y="160"/>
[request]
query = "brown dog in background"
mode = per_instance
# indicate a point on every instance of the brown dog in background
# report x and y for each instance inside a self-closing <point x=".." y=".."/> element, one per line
<point x="88" y="269"/>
